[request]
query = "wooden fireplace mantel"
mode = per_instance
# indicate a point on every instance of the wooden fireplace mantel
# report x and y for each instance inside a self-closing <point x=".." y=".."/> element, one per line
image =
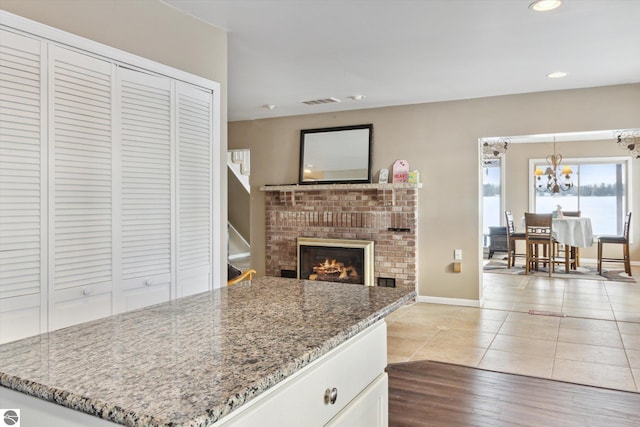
<point x="319" y="187"/>
<point x="294" y="188"/>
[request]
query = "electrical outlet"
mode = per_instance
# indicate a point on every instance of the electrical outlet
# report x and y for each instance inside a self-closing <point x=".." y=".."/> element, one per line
<point x="457" y="254"/>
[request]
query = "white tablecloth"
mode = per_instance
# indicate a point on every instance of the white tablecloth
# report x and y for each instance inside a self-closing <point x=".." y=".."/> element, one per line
<point x="573" y="231"/>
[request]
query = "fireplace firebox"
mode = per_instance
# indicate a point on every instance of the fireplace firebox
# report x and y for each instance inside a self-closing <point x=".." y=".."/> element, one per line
<point x="336" y="260"/>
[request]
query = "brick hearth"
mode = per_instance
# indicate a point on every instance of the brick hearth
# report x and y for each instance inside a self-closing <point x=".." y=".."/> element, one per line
<point x="384" y="213"/>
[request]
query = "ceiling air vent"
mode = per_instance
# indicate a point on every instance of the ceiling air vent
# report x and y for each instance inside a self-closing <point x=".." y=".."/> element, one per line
<point x="321" y="101"/>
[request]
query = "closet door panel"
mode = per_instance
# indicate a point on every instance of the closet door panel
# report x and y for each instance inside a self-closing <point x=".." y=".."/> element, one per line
<point x="146" y="178"/>
<point x="194" y="185"/>
<point x="81" y="192"/>
<point x="22" y="187"/>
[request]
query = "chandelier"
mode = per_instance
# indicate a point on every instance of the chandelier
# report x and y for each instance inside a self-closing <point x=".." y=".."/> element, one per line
<point x="556" y="179"/>
<point x="629" y="140"/>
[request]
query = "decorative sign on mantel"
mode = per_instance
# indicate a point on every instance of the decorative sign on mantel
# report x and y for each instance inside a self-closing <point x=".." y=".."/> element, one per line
<point x="400" y="171"/>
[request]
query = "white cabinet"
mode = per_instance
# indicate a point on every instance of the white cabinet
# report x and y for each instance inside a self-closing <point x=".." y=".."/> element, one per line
<point x="23" y="186"/>
<point x="194" y="183"/>
<point x="145" y="139"/>
<point x="80" y="187"/>
<point x="354" y="372"/>
<point x="106" y="182"/>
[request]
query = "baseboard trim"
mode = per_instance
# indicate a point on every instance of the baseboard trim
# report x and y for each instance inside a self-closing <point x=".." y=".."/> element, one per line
<point x="450" y="301"/>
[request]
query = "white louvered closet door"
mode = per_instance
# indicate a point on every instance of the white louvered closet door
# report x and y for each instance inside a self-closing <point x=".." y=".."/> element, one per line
<point x="194" y="185"/>
<point x="22" y="187"/>
<point x="145" y="152"/>
<point x="80" y="141"/>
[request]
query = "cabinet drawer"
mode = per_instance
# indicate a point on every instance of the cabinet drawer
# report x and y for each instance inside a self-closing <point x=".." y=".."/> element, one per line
<point x="19" y="317"/>
<point x="193" y="281"/>
<point x="370" y="408"/>
<point x="300" y="399"/>
<point x="144" y="291"/>
<point x="80" y="304"/>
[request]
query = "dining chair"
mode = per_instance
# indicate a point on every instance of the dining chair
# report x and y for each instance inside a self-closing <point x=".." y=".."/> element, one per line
<point x="574" y="252"/>
<point x="512" y="238"/>
<point x="618" y="240"/>
<point x="538" y="233"/>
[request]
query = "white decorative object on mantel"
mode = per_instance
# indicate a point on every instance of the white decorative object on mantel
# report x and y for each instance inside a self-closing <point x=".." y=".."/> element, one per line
<point x="383" y="176"/>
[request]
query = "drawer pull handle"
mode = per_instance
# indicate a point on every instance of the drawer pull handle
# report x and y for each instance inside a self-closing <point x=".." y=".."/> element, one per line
<point x="150" y="282"/>
<point x="86" y="292"/>
<point x="330" y="396"/>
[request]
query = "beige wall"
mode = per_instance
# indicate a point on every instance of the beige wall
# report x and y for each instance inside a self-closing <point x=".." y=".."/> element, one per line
<point x="441" y="141"/>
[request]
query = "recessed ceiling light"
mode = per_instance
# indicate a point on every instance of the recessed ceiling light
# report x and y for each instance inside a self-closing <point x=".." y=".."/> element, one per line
<point x="270" y="107"/>
<point x="545" y="5"/>
<point x="357" y="97"/>
<point x="557" y="75"/>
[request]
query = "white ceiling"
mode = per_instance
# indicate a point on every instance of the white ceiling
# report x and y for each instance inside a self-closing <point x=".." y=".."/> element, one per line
<point x="396" y="52"/>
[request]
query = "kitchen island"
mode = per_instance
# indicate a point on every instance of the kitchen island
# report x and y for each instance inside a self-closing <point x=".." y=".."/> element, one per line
<point x="204" y="359"/>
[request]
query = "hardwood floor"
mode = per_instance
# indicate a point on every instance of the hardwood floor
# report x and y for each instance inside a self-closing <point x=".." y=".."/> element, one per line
<point x="427" y="393"/>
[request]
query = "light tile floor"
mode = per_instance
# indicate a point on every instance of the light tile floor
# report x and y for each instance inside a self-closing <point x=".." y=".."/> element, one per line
<point x="596" y="343"/>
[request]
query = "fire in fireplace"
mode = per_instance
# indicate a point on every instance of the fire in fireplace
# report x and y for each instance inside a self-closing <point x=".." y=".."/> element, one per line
<point x="347" y="268"/>
<point x="336" y="260"/>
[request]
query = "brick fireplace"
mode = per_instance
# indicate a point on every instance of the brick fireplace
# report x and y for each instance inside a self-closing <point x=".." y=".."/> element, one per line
<point x="383" y="213"/>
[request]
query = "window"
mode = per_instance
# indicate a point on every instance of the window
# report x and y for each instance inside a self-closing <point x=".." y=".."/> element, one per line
<point x="600" y="192"/>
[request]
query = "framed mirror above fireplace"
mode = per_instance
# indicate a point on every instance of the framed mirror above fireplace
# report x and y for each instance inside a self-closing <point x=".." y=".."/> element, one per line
<point x="336" y="155"/>
<point x="336" y="260"/>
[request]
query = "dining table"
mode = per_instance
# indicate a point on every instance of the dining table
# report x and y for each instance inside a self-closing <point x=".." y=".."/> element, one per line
<point x="573" y="231"/>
